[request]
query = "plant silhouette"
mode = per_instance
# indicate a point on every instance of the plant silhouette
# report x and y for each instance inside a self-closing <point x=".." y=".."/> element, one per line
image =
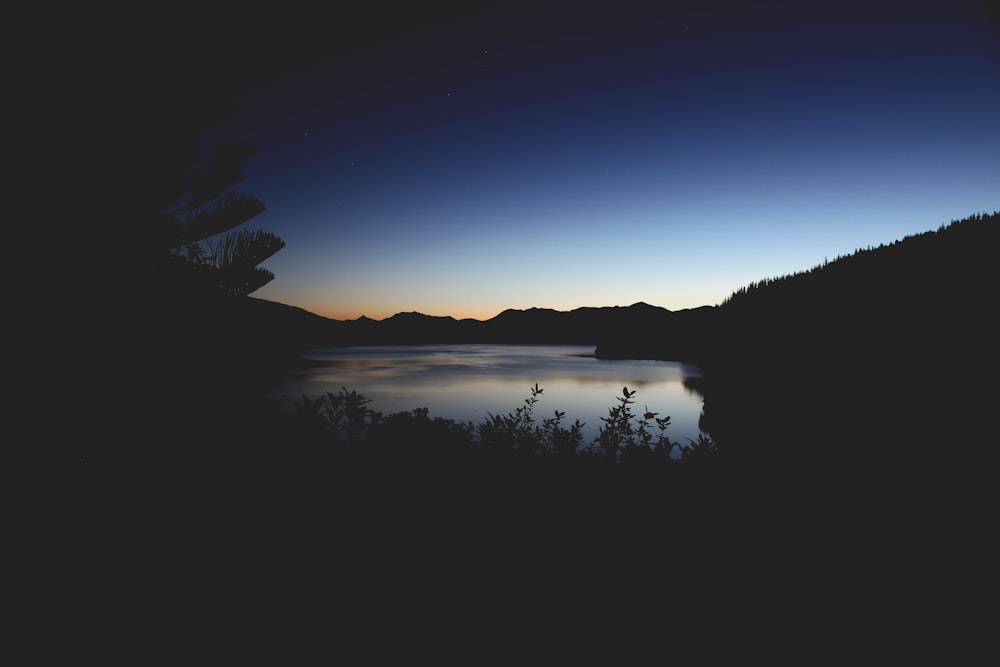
<point x="194" y="246"/>
<point x="208" y="346"/>
<point x="342" y="426"/>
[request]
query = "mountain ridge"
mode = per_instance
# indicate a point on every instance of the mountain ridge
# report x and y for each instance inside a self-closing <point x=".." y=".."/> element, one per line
<point x="587" y="325"/>
<point x="918" y="279"/>
<point x="531" y="309"/>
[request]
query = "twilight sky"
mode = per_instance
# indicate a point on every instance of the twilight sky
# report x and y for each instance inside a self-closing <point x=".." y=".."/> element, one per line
<point x="464" y="161"/>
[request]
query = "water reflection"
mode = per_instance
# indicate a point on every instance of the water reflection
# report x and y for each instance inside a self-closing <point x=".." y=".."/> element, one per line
<point x="467" y="382"/>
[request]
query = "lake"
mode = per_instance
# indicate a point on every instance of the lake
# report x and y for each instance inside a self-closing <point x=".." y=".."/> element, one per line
<point x="468" y="382"/>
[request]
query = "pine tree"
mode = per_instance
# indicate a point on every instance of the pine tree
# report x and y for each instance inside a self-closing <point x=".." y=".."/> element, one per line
<point x="194" y="246"/>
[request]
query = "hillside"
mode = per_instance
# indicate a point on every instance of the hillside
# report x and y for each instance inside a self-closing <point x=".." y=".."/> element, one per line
<point x="582" y="326"/>
<point x="884" y="359"/>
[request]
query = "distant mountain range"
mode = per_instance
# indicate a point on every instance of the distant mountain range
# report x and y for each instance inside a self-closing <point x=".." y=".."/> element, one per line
<point x="918" y="291"/>
<point x="583" y="326"/>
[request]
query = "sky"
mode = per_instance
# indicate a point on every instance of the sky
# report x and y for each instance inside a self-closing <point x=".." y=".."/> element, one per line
<point x="463" y="161"/>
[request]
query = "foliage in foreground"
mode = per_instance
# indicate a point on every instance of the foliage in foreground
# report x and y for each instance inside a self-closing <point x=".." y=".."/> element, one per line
<point x="345" y="422"/>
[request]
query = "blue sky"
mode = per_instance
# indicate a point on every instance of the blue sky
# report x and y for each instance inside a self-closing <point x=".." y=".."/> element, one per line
<point x="461" y="162"/>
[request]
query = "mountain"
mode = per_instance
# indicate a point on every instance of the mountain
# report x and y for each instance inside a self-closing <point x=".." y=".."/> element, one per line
<point x="905" y="298"/>
<point x="919" y="295"/>
<point x="881" y="361"/>
<point x="582" y="326"/>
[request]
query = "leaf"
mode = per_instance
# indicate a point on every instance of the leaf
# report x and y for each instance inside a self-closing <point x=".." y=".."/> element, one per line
<point x="227" y="212"/>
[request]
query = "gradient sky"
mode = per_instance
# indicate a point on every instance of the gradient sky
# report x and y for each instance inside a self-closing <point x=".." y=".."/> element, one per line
<point x="462" y="162"/>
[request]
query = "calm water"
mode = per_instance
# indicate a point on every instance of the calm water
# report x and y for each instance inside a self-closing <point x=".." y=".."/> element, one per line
<point x="466" y="382"/>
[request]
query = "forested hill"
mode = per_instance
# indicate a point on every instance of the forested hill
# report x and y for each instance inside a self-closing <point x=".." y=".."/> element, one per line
<point x="910" y="296"/>
<point x="930" y="294"/>
<point x="920" y="275"/>
<point x="888" y="354"/>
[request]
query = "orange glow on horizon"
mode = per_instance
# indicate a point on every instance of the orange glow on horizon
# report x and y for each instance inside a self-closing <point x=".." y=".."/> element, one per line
<point x="376" y="313"/>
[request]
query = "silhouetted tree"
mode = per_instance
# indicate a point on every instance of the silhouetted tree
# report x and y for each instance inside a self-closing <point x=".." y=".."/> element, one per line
<point x="190" y="344"/>
<point x="192" y="247"/>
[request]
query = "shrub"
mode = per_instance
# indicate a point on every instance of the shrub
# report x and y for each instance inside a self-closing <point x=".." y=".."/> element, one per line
<point x="626" y="437"/>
